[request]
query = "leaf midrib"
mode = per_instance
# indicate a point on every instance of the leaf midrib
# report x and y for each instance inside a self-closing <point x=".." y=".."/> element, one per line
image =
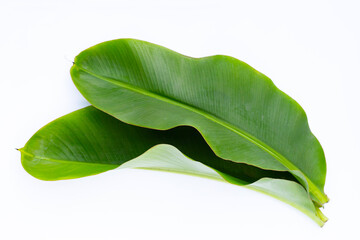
<point x="207" y="115"/>
<point x="279" y="157"/>
<point x="191" y="173"/>
<point x="65" y="161"/>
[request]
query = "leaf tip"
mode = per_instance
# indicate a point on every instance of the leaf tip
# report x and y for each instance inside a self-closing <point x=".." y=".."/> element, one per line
<point x="19" y="149"/>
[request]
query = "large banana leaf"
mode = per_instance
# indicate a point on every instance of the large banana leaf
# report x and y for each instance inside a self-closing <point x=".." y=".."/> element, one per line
<point x="89" y="141"/>
<point x="239" y="111"/>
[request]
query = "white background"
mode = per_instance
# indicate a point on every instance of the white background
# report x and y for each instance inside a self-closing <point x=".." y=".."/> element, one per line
<point x="310" y="49"/>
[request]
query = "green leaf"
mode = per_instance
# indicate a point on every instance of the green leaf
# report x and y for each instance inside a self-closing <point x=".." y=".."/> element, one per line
<point x="239" y="111"/>
<point x="89" y="141"/>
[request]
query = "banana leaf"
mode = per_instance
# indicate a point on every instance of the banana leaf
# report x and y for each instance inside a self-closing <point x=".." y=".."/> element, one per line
<point x="241" y="114"/>
<point x="89" y="141"/>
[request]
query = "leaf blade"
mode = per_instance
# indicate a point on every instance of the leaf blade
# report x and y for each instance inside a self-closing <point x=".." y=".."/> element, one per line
<point x="150" y="86"/>
<point x="116" y="144"/>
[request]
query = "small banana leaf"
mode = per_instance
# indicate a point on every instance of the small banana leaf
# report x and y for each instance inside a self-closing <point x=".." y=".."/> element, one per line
<point x="89" y="141"/>
<point x="241" y="114"/>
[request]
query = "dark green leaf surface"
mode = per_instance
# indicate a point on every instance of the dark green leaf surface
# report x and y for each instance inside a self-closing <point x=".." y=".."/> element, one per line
<point x="88" y="142"/>
<point x="101" y="142"/>
<point x="241" y="114"/>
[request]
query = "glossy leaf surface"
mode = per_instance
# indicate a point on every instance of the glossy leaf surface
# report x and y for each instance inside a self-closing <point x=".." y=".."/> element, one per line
<point x="239" y="111"/>
<point x="89" y="141"/>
